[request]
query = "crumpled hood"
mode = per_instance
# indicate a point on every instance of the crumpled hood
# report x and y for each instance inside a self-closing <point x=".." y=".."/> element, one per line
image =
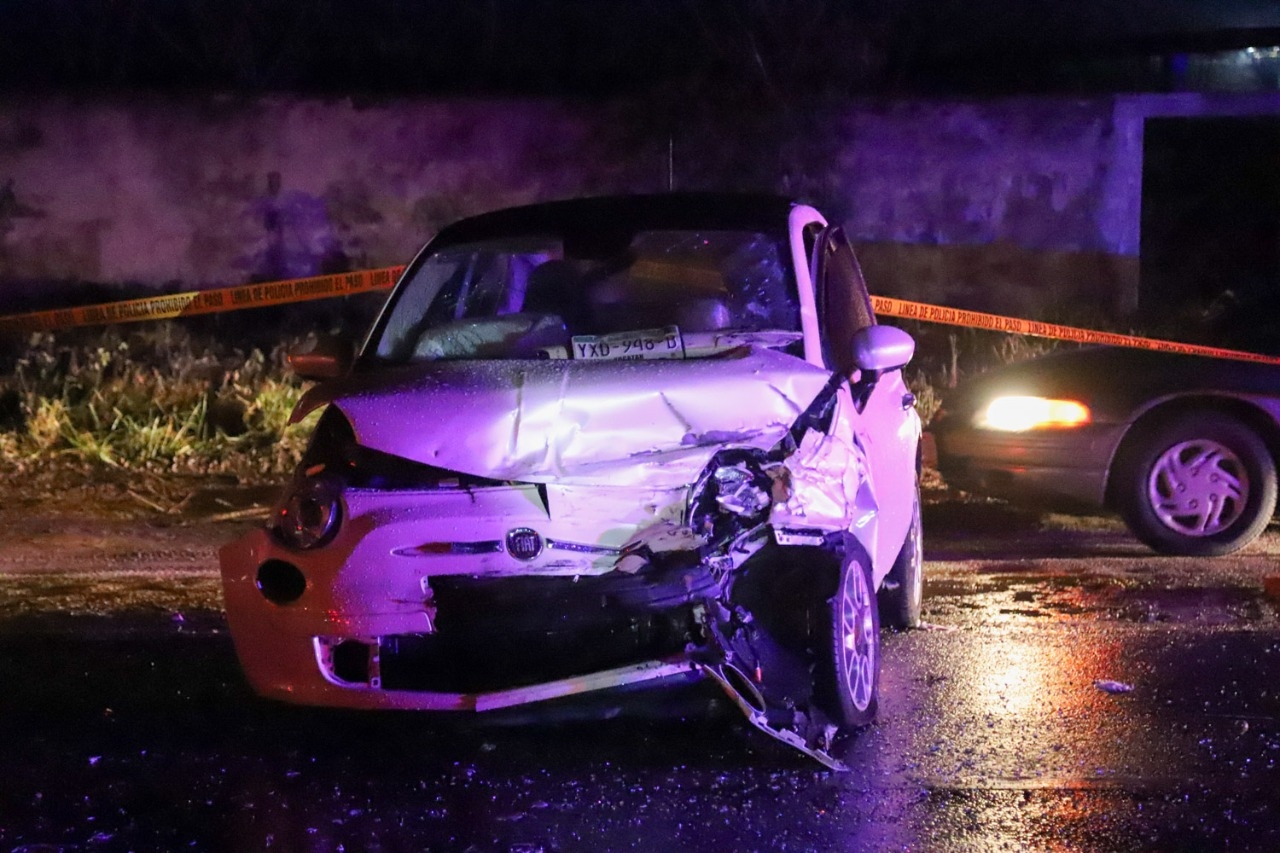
<point x="624" y="423"/>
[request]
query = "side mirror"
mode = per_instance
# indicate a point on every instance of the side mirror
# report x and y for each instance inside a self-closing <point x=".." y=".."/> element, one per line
<point x="322" y="357"/>
<point x="880" y="348"/>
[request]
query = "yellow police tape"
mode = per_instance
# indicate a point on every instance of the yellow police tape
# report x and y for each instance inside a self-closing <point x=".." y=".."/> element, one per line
<point x="362" y="281"/>
<point x="205" y="301"/>
<point x="901" y="308"/>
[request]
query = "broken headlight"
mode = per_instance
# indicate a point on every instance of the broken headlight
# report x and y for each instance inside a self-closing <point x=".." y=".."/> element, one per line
<point x="736" y="492"/>
<point x="309" y="516"/>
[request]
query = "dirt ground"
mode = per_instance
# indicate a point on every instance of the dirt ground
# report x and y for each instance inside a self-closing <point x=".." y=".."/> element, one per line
<point x="86" y="543"/>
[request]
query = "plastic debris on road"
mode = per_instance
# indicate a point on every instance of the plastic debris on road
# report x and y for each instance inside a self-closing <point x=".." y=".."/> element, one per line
<point x="1112" y="686"/>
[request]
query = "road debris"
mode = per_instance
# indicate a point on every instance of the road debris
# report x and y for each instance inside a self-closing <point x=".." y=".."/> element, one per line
<point x="1272" y="587"/>
<point x="1112" y="686"/>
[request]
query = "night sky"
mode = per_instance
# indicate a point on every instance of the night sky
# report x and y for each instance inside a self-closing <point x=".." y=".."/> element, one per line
<point x="598" y="47"/>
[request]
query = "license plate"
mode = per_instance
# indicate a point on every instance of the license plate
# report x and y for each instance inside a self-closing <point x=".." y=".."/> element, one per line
<point x="642" y="344"/>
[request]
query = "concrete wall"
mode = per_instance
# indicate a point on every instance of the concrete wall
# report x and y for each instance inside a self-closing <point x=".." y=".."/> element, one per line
<point x="217" y="192"/>
<point x="995" y="206"/>
<point x="1022" y="206"/>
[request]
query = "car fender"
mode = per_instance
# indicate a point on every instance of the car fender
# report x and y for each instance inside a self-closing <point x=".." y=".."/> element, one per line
<point x="1259" y="411"/>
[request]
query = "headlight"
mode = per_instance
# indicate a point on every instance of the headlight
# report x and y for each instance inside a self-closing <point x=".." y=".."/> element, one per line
<point x="736" y="491"/>
<point x="310" y="515"/>
<point x="1019" y="414"/>
<point x="741" y="489"/>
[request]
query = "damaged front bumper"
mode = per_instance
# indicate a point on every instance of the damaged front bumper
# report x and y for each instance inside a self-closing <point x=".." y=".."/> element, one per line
<point x="397" y="613"/>
<point x="411" y="564"/>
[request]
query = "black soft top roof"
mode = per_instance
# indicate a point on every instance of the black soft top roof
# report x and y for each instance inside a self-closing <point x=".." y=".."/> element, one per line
<point x="625" y="214"/>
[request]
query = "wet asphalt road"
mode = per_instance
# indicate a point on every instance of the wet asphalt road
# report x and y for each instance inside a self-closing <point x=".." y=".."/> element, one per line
<point x="131" y="729"/>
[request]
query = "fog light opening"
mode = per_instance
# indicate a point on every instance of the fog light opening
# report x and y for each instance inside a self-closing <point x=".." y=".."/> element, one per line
<point x="281" y="582"/>
<point x="351" y="662"/>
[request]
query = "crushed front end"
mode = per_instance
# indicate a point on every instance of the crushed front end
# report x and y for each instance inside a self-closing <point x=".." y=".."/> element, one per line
<point x="383" y="581"/>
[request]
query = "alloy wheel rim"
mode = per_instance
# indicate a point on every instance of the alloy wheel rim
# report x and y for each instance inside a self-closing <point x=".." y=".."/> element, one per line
<point x="857" y="649"/>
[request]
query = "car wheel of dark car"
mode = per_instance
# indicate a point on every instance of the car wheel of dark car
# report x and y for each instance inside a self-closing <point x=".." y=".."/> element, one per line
<point x="903" y="588"/>
<point x="1202" y="485"/>
<point x="852" y="687"/>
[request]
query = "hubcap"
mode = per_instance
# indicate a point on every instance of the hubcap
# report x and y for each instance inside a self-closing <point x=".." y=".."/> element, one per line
<point x="857" y="646"/>
<point x="1198" y="488"/>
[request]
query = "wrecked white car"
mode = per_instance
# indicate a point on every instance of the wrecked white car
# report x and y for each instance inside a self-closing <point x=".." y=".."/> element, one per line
<point x="595" y="444"/>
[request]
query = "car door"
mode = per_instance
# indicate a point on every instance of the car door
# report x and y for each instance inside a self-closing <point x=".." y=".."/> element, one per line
<point x="875" y="412"/>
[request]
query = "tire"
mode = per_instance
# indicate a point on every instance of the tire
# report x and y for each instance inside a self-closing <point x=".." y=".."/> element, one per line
<point x="902" y="592"/>
<point x="1201" y="485"/>
<point x="850" y="690"/>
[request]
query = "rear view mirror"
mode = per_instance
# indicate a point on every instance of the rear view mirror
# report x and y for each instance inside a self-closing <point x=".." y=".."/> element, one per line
<point x="322" y="357"/>
<point x="880" y="348"/>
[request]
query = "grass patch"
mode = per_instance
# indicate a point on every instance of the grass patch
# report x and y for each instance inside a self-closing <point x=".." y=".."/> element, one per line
<point x="157" y="400"/>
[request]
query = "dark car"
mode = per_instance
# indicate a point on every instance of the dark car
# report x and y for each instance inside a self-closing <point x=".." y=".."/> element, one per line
<point x="1182" y="447"/>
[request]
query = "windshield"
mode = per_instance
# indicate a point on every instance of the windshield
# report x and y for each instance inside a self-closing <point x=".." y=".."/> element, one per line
<point x="653" y="294"/>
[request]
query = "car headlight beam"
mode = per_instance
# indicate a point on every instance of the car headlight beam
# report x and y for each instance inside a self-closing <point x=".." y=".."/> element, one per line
<point x="1020" y="414"/>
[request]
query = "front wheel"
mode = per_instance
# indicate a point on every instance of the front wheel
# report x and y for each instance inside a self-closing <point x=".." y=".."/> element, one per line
<point x="852" y="690"/>
<point x="1201" y="485"/>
